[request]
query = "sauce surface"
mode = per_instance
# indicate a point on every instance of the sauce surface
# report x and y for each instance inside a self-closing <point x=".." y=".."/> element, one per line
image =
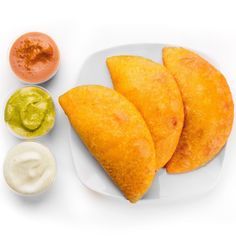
<point x="29" y="168"/>
<point x="34" y="57"/>
<point x="30" y="112"/>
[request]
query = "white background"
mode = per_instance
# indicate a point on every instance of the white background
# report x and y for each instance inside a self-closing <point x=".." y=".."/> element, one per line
<point x="81" y="28"/>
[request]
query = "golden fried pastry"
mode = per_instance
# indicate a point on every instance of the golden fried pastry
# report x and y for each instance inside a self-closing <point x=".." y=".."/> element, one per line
<point x="208" y="109"/>
<point x="116" y="135"/>
<point x="153" y="90"/>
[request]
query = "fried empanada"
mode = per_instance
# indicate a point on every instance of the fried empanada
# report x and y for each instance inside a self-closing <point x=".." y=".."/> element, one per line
<point x="116" y="135"/>
<point x="154" y="91"/>
<point x="208" y="107"/>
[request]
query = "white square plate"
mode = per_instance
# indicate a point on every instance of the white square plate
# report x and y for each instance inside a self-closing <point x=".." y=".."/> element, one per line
<point x="165" y="186"/>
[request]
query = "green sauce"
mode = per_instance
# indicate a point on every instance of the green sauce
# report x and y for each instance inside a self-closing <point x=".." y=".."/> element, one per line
<point x="30" y="112"/>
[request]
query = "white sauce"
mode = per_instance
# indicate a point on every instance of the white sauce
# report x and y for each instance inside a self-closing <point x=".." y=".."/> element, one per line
<point x="29" y="168"/>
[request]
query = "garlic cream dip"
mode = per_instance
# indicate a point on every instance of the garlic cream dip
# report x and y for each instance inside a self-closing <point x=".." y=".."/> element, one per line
<point x="29" y="168"/>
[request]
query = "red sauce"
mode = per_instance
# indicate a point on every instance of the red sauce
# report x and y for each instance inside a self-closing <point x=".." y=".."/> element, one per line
<point x="34" y="57"/>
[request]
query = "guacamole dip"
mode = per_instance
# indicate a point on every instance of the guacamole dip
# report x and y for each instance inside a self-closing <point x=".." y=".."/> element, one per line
<point x="30" y="112"/>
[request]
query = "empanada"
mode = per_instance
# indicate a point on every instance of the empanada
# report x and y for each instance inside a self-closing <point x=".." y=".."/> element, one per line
<point x="116" y="135"/>
<point x="154" y="92"/>
<point x="208" y="109"/>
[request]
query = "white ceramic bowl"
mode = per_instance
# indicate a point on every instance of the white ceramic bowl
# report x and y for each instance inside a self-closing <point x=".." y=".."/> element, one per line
<point x="25" y="137"/>
<point x="41" y="191"/>
<point x="33" y="83"/>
